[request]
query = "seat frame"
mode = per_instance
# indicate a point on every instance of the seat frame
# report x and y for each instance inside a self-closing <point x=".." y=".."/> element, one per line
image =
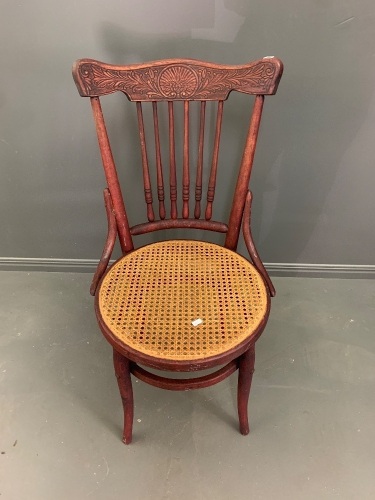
<point x="179" y="80"/>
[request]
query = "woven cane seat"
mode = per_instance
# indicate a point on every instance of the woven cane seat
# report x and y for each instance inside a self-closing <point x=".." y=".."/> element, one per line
<point x="150" y="299"/>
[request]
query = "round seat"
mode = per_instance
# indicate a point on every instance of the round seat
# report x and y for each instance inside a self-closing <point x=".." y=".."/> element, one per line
<point x="182" y="300"/>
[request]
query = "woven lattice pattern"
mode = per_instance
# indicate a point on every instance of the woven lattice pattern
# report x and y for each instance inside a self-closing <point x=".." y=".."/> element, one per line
<point x="150" y="298"/>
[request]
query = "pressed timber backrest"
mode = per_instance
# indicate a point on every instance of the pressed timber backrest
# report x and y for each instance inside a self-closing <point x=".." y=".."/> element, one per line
<point x="174" y="80"/>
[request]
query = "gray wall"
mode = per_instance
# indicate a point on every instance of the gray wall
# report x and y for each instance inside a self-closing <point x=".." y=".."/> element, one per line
<point x="314" y="173"/>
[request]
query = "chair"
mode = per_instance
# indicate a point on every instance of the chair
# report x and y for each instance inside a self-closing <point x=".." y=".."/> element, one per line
<point x="180" y="305"/>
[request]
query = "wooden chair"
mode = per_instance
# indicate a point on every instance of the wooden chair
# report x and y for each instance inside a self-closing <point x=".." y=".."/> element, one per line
<point x="180" y="305"/>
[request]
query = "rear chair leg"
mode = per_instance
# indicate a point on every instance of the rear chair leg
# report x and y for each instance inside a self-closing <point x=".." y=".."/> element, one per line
<point x="245" y="375"/>
<point x="122" y="371"/>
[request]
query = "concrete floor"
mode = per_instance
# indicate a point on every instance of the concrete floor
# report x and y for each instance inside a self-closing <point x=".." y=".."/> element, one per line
<point x="312" y="404"/>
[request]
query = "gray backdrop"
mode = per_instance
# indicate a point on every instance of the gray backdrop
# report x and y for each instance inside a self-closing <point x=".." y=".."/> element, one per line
<point x="314" y="170"/>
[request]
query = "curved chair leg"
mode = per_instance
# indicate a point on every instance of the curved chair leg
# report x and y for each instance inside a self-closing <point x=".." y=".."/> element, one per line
<point x="245" y="375"/>
<point x="122" y="371"/>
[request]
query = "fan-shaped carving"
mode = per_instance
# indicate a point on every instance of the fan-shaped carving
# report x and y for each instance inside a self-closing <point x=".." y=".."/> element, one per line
<point x="178" y="81"/>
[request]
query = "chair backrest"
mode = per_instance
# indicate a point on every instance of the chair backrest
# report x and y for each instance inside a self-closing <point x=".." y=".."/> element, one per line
<point x="174" y="80"/>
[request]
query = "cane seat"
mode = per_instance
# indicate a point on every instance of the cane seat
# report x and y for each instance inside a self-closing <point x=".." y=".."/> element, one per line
<point x="182" y="300"/>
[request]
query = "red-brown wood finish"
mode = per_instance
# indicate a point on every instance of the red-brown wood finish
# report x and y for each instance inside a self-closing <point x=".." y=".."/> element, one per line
<point x="215" y="158"/>
<point x="122" y="372"/>
<point x="172" y="162"/>
<point x="145" y="165"/>
<point x="172" y="81"/>
<point x="243" y="178"/>
<point x="123" y="229"/>
<point x="183" y="384"/>
<point x="109" y="244"/>
<point x="245" y="375"/>
<point x="246" y="230"/>
<point x="186" y="165"/>
<point x="159" y="167"/>
<point x="198" y="182"/>
<point x="177" y="79"/>
<point x="207" y="225"/>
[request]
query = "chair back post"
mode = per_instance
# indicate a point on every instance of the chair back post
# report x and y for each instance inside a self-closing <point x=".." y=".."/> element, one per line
<point x="123" y="228"/>
<point x="243" y="178"/>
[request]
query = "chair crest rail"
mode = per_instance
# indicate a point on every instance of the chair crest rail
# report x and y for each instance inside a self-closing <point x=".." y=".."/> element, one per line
<point x="177" y="79"/>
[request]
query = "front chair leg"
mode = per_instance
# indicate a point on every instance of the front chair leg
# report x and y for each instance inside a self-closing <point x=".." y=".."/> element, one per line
<point x="245" y="375"/>
<point x="122" y="371"/>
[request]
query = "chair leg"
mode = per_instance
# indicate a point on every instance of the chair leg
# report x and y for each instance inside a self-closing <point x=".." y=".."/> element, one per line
<point x="245" y="375"/>
<point x="122" y="371"/>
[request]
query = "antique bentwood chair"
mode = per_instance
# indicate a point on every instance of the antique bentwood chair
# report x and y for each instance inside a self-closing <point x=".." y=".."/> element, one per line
<point x="180" y="305"/>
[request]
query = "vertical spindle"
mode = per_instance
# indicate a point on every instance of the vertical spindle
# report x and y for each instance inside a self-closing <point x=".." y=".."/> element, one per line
<point x="172" y="162"/>
<point x="159" y="167"/>
<point x="185" y="166"/>
<point x="145" y="166"/>
<point x="215" y="157"/>
<point x="198" y="183"/>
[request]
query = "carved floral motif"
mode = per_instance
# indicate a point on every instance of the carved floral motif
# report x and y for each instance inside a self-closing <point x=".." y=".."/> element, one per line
<point x="176" y="80"/>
